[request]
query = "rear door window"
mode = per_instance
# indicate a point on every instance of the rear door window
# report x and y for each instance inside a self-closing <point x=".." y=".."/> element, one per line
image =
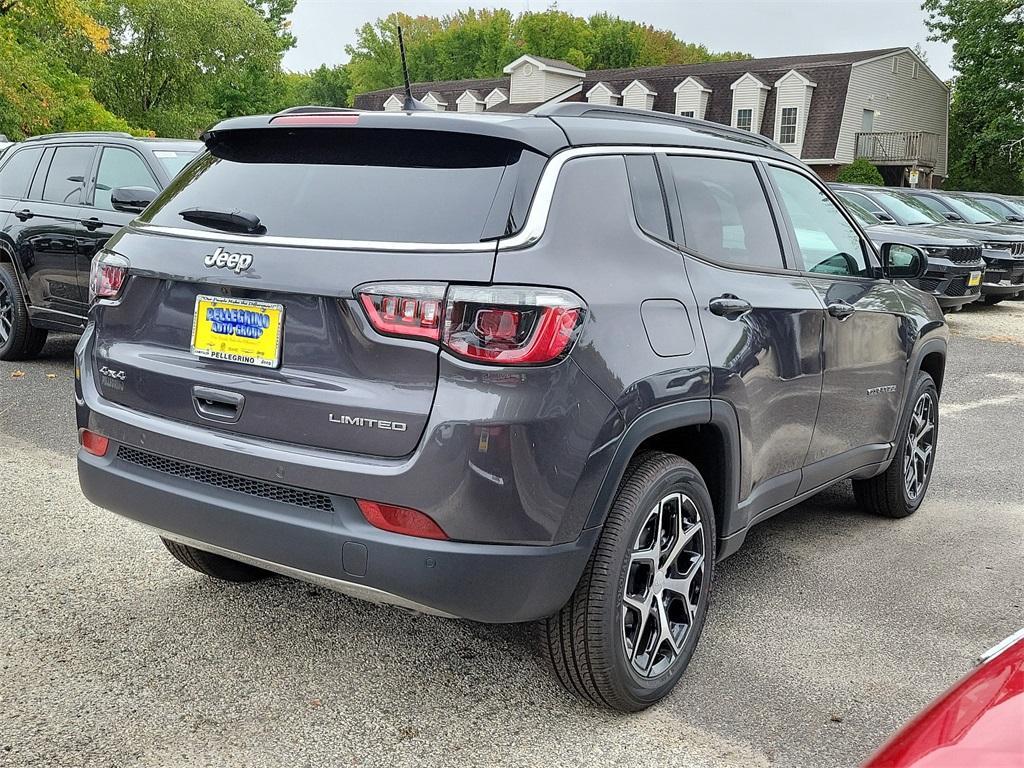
<point x="648" y="197"/>
<point x="363" y="184"/>
<point x="66" y="176"/>
<point x="16" y="175"/>
<point x="725" y="213"/>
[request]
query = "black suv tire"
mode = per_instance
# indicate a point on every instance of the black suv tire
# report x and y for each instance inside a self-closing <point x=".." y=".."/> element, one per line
<point x="213" y="565"/>
<point x="587" y="641"/>
<point x="18" y="339"/>
<point x="888" y="494"/>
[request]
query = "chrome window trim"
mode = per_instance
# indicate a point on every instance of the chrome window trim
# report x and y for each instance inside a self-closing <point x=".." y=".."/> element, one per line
<point x="532" y="231"/>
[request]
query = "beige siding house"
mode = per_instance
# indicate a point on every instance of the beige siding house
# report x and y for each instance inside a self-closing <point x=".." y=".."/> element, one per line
<point x="827" y="109"/>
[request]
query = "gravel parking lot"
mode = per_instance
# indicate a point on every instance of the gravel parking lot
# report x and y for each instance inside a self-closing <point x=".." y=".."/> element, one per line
<point x="827" y="630"/>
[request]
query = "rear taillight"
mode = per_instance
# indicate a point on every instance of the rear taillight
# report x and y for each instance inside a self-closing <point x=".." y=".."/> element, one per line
<point x="404" y="309"/>
<point x="107" y="275"/>
<point x="402" y="520"/>
<point x="501" y="325"/>
<point x="509" y="325"/>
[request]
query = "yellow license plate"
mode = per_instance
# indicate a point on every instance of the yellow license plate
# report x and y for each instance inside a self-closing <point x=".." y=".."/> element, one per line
<point x="974" y="279"/>
<point x="238" y="330"/>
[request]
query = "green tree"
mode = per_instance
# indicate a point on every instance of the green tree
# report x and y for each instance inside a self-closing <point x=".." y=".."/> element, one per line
<point x="860" y="171"/>
<point x="987" y="109"/>
<point x="276" y="13"/>
<point x="175" y="66"/>
<point x="473" y="43"/>
<point x="39" y="92"/>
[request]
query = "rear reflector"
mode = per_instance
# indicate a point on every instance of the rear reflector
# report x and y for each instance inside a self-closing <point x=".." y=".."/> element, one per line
<point x="93" y="443"/>
<point x="326" y="119"/>
<point x="403" y="520"/>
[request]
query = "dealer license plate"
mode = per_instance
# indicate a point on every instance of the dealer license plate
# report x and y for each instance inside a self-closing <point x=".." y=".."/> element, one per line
<point x="238" y="330"/>
<point x="974" y="279"/>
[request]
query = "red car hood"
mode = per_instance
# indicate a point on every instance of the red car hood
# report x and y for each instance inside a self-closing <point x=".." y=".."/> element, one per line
<point x="979" y="722"/>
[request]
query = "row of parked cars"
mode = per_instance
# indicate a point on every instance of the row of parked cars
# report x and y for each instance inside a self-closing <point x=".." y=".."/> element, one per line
<point x="974" y="240"/>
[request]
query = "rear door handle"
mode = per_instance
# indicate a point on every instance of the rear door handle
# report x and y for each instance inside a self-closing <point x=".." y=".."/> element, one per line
<point x="24" y="214"/>
<point x="841" y="309"/>
<point x="729" y="306"/>
<point x="91" y="223"/>
<point x="217" y="405"/>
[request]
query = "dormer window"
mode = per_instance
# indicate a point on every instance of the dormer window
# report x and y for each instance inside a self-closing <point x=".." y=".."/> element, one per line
<point x="787" y="125"/>
<point x="744" y="118"/>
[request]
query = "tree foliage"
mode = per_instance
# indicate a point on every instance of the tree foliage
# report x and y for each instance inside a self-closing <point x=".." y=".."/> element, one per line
<point x="987" y="110"/>
<point x="472" y="44"/>
<point x="860" y="171"/>
<point x="39" y="90"/>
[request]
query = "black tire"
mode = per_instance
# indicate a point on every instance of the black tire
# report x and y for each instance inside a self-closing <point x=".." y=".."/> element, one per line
<point x="887" y="494"/>
<point x="586" y="641"/>
<point x="18" y="339"/>
<point x="213" y="565"/>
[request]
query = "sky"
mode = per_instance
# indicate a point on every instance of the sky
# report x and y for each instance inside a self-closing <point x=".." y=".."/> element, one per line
<point x="759" y="27"/>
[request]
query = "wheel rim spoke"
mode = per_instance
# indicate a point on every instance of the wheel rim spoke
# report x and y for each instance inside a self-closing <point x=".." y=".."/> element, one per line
<point x="664" y="583"/>
<point x="920" y="444"/>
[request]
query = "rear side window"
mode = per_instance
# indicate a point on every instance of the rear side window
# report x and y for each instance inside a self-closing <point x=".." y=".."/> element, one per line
<point x="648" y="197"/>
<point x="66" y="177"/>
<point x="724" y="211"/>
<point x="356" y="184"/>
<point x="173" y="160"/>
<point x="120" y="167"/>
<point x="16" y="175"/>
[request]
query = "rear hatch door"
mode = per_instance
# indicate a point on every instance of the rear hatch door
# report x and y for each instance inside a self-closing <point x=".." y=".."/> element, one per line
<point x="336" y="209"/>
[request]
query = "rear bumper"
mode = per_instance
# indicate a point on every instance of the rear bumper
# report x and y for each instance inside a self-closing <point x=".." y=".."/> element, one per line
<point x="337" y="548"/>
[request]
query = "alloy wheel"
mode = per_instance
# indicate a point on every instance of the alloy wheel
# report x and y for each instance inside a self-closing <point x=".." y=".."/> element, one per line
<point x="919" y="452"/>
<point x="663" y="585"/>
<point x="6" y="314"/>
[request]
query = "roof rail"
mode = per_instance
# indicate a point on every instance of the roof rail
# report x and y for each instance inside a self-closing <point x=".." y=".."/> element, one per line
<point x="118" y="134"/>
<point x="312" y="109"/>
<point x="581" y="109"/>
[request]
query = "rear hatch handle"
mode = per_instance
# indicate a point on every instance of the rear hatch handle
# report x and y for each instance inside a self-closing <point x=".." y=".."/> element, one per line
<point x="217" y="404"/>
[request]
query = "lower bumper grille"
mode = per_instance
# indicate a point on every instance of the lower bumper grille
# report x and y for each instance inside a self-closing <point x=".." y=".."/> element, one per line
<point x="271" y="491"/>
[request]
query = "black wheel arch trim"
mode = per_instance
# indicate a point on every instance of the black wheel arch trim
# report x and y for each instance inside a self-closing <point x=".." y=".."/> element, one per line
<point x="716" y="413"/>
<point x="8" y="253"/>
<point x="920" y="352"/>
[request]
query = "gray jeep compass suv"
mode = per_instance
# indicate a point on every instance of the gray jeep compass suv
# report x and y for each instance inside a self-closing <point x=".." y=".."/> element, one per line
<point x="506" y="368"/>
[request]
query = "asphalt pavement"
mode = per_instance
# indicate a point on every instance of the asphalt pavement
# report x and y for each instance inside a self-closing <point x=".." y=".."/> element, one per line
<point x="827" y="630"/>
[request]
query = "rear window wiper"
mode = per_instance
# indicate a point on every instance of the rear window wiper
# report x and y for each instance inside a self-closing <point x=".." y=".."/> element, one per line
<point x="229" y="221"/>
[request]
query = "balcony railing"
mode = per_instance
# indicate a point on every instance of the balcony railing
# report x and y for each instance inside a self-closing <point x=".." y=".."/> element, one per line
<point x="899" y="147"/>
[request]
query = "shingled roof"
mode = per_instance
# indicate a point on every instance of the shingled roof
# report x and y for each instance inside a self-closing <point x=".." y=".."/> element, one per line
<point x="830" y="72"/>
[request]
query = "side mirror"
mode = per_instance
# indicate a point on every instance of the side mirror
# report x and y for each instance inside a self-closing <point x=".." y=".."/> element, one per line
<point x="131" y="199"/>
<point x="952" y="216"/>
<point x="904" y="262"/>
<point x="885" y="218"/>
<point x="1015" y="219"/>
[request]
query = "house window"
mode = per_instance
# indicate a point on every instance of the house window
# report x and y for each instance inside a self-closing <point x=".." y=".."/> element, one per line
<point x="687" y="113"/>
<point x="787" y="126"/>
<point x="744" y="117"/>
<point x="913" y="70"/>
<point x="895" y="65"/>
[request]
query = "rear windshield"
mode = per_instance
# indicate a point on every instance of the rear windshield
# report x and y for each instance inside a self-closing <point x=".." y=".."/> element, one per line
<point x="173" y="160"/>
<point x="357" y="184"/>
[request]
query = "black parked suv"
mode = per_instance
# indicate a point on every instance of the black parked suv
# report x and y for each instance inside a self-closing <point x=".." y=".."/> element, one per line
<point x="506" y="368"/>
<point x="955" y="265"/>
<point x="1003" y="244"/>
<point x="61" y="197"/>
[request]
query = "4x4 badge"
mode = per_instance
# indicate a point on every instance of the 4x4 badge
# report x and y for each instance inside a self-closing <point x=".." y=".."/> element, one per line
<point x="238" y="262"/>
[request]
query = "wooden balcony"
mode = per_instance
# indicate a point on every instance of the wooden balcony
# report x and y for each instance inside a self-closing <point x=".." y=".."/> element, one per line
<point x="899" y="148"/>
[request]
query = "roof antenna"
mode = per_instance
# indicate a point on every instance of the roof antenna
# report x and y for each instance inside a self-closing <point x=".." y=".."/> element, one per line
<point x="410" y="104"/>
